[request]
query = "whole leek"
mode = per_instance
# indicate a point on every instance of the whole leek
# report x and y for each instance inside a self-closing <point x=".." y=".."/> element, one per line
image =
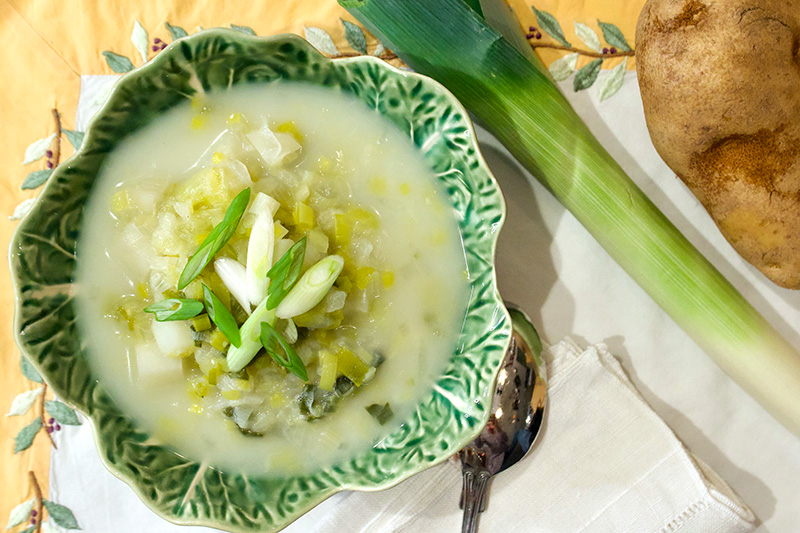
<point x="513" y="96"/>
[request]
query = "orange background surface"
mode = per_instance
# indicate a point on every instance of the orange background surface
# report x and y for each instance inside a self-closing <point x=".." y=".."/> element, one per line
<point x="47" y="45"/>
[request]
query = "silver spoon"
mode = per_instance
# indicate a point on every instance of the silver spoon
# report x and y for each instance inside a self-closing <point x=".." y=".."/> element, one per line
<point x="517" y="411"/>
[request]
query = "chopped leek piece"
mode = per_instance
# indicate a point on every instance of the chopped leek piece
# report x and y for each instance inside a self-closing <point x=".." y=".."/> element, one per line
<point x="175" y="309"/>
<point x="270" y="338"/>
<point x="201" y="323"/>
<point x="284" y="273"/>
<point x="223" y="318"/>
<point x="351" y="366"/>
<point x="328" y="374"/>
<point x="311" y="288"/>
<point x="381" y="413"/>
<point x="218" y="237"/>
<point x="234" y="277"/>
<point x="250" y="332"/>
<point x="513" y="95"/>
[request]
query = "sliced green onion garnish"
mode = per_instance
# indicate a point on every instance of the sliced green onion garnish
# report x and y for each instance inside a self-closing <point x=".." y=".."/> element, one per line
<point x="218" y="237"/>
<point x="175" y="309"/>
<point x="250" y="332"/>
<point x="381" y="413"/>
<point x="311" y="288"/>
<point x="220" y="316"/>
<point x="284" y="273"/>
<point x="270" y="338"/>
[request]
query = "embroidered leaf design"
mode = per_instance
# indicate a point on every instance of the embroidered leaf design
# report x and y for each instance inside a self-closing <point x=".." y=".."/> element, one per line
<point x="588" y="36"/>
<point x="613" y="36"/>
<point x="36" y="179"/>
<point x="25" y="437"/>
<point x="379" y="49"/>
<point x="75" y="138"/>
<point x="28" y="370"/>
<point x="22" y="209"/>
<point x="244" y="29"/>
<point x="61" y="413"/>
<point x="550" y="25"/>
<point x="23" y="402"/>
<point x="563" y="68"/>
<point x="29" y="530"/>
<point x="587" y="75"/>
<point x="613" y="82"/>
<point x="37" y="149"/>
<point x="118" y="63"/>
<point x="20" y="513"/>
<point x="140" y="39"/>
<point x="176" y="32"/>
<point x="320" y="40"/>
<point x="61" y="515"/>
<point x="355" y="36"/>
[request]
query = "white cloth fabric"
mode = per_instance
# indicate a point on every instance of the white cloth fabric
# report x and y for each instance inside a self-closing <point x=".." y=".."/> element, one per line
<point x="550" y="266"/>
<point x="605" y="463"/>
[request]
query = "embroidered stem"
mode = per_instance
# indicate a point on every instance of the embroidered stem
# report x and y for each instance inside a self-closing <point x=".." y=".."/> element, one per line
<point x="386" y="56"/>
<point x="37" y="490"/>
<point x="42" y="415"/>
<point x="57" y="151"/>
<point x="589" y="53"/>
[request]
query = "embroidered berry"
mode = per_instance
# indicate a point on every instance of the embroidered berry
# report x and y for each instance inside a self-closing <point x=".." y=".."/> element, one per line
<point x="58" y="427"/>
<point x="538" y="35"/>
<point x="49" y="154"/>
<point x="154" y="48"/>
<point x="157" y="40"/>
<point x="33" y="521"/>
<point x="49" y="164"/>
<point x="51" y="421"/>
<point x="33" y="512"/>
<point x="49" y="429"/>
<point x="532" y="29"/>
<point x="530" y="35"/>
<point x="613" y="50"/>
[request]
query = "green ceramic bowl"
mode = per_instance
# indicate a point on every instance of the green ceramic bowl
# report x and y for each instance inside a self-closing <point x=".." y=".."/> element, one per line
<point x="43" y="267"/>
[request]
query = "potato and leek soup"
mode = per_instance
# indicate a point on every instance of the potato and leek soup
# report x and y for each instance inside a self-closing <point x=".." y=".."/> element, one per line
<point x="269" y="278"/>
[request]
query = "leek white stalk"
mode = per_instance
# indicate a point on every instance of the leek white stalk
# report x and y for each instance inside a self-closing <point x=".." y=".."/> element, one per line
<point x="260" y="251"/>
<point x="514" y="97"/>
<point x="250" y="332"/>
<point x="234" y="276"/>
<point x="311" y="288"/>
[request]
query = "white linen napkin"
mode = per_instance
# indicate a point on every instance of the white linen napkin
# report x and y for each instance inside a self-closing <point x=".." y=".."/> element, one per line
<point x="605" y="463"/>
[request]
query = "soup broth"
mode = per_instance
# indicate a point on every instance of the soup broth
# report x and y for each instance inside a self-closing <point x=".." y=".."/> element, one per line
<point x="320" y="168"/>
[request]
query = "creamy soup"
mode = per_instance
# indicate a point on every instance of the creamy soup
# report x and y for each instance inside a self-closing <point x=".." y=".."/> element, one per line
<point x="269" y="278"/>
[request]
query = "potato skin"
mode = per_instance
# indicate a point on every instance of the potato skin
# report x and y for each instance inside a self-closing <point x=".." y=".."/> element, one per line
<point x="720" y="85"/>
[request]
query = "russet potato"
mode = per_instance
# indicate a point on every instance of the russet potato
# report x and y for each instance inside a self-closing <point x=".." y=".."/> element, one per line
<point x="720" y="84"/>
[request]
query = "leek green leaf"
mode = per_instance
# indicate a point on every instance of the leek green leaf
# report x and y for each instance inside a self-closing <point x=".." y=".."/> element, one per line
<point x="270" y="339"/>
<point x="285" y="273"/>
<point x="218" y="238"/>
<point x="175" y="309"/>
<point x="220" y="316"/>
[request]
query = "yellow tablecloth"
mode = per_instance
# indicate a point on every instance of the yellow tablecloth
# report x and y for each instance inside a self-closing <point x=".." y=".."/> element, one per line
<point x="47" y="45"/>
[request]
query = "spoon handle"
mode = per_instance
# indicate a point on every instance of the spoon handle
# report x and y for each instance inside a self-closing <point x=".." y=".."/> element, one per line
<point x="475" y="481"/>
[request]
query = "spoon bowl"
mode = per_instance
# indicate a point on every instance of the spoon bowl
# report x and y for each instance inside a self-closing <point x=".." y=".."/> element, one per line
<point x="517" y="411"/>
